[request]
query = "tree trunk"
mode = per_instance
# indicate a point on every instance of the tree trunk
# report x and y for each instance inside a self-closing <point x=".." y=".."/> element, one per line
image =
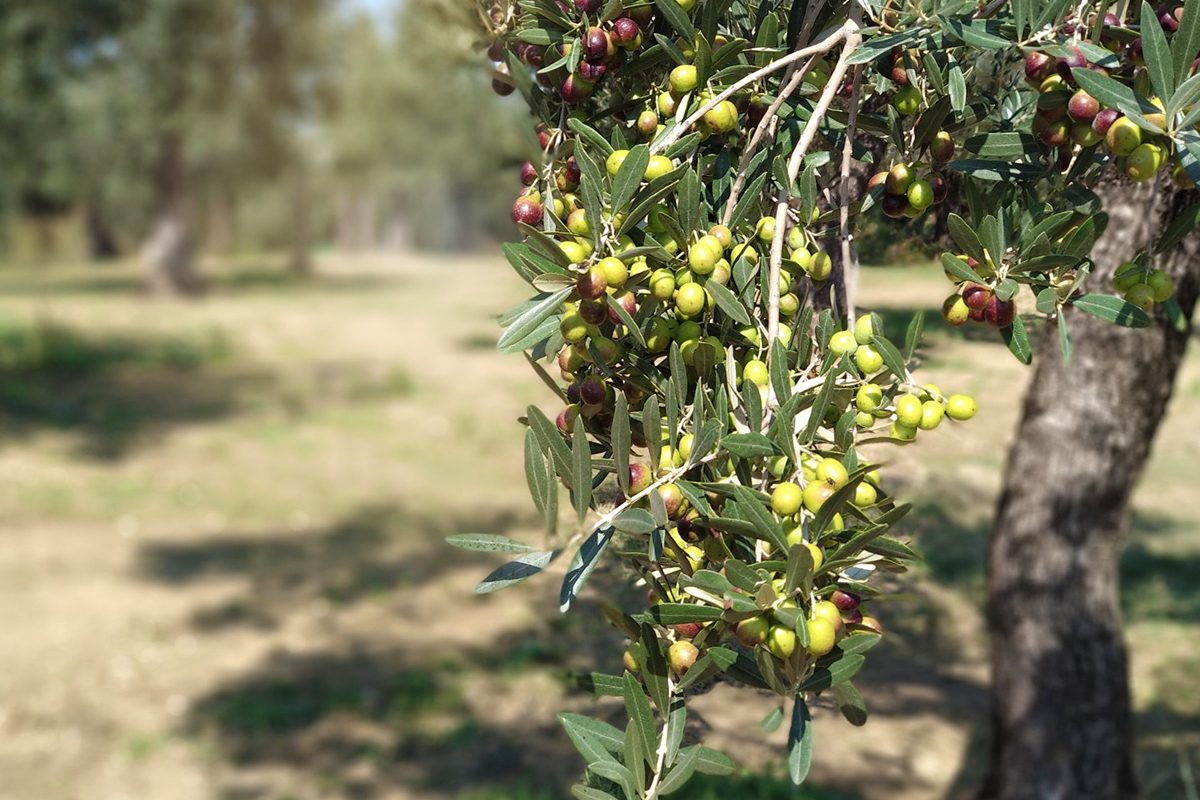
<point x="101" y="242"/>
<point x="1062" y="725"/>
<point x="170" y="251"/>
<point x="299" y="260"/>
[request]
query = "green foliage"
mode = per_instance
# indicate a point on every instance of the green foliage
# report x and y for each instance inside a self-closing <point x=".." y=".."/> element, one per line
<point x="747" y="511"/>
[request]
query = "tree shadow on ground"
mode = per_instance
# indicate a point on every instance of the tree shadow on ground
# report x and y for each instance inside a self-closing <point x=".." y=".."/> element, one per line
<point x="385" y="707"/>
<point x="1159" y="586"/>
<point x="432" y="695"/>
<point x="412" y="702"/>
<point x="366" y="554"/>
<point x="114" y="391"/>
<point x="117" y="392"/>
<point x="1166" y="743"/>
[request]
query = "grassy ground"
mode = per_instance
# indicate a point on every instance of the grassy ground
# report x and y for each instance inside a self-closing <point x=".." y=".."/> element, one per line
<point x="223" y="573"/>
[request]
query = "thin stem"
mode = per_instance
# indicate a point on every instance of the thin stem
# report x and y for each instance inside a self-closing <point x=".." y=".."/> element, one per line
<point x="766" y="127"/>
<point x="664" y="744"/>
<point x="849" y="252"/>
<point x="662" y="480"/>
<point x="851" y="39"/>
<point x="767" y="124"/>
<point x="991" y="9"/>
<point x="810" y="19"/>
<point x="781" y="208"/>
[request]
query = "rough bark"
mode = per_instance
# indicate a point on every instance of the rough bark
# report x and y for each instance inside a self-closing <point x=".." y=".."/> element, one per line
<point x="1061" y="717"/>
<point x="170" y="252"/>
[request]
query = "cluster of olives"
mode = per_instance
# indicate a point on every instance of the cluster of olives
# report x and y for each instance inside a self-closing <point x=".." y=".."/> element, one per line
<point x="683" y="81"/>
<point x="910" y="189"/>
<point x="1142" y="286"/>
<point x="831" y="612"/>
<point x="1068" y="115"/>
<point x="827" y="622"/>
<point x="833" y="609"/>
<point x="798" y="487"/>
<point x="563" y="180"/>
<point x="603" y="51"/>
<point x="685" y="311"/>
<point x="975" y="302"/>
<point x="895" y="67"/>
<point x="920" y="410"/>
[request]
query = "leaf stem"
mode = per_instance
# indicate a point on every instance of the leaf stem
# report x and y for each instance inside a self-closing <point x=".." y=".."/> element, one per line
<point x="664" y="744"/>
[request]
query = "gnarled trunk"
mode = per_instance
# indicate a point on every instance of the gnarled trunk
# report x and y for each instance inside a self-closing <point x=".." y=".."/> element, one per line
<point x="101" y="241"/>
<point x="170" y="252"/>
<point x="1061" y="716"/>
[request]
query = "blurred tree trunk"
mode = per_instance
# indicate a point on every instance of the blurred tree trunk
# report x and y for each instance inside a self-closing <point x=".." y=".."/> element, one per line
<point x="101" y="241"/>
<point x="1062" y="725"/>
<point x="299" y="261"/>
<point x="220" y="218"/>
<point x="170" y="251"/>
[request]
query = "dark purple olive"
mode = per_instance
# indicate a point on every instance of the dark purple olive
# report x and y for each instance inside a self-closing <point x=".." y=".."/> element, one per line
<point x="625" y="31"/>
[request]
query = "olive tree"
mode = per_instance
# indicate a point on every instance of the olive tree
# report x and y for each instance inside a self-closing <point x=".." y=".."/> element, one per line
<point x="688" y="227"/>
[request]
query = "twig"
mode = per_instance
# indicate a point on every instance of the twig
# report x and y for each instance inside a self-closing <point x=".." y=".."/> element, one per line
<point x="767" y="124"/>
<point x="810" y="19"/>
<point x="1185" y="775"/>
<point x="766" y="127"/>
<point x="817" y="49"/>
<point x="849" y="252"/>
<point x="663" y="745"/>
<point x="851" y="39"/>
<point x="851" y="42"/>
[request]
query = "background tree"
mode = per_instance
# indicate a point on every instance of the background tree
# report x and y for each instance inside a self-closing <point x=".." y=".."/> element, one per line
<point x="43" y="49"/>
<point x="1059" y="661"/>
<point x="408" y="162"/>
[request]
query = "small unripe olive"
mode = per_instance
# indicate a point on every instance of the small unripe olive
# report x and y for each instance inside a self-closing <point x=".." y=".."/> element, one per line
<point x="843" y="342"/>
<point x="1162" y="284"/>
<point x="1140" y="295"/>
<point x="908" y="410"/>
<point x="822" y="636"/>
<point x="932" y="412"/>
<point x="781" y="641"/>
<point x="683" y="79"/>
<point x="753" y="631"/>
<point x="868" y="359"/>
<point x="955" y="310"/>
<point x="815" y="494"/>
<point x="786" y="499"/>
